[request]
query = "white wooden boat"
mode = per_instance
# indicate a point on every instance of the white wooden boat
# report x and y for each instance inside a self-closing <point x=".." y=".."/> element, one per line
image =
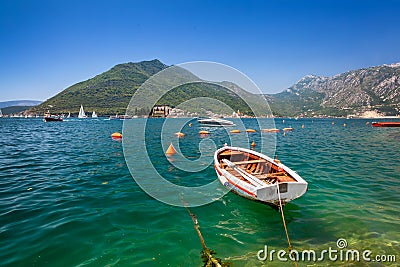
<point x="257" y="177"/>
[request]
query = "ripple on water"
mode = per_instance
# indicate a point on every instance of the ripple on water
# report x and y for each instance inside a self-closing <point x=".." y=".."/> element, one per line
<point x="67" y="197"/>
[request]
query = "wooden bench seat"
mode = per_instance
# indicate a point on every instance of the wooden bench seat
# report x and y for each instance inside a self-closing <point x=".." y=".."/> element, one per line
<point x="229" y="153"/>
<point x="246" y="162"/>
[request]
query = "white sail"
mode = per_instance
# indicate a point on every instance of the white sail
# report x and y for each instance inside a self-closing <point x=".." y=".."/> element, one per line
<point x="94" y="115"/>
<point x="81" y="113"/>
<point x="1" y="114"/>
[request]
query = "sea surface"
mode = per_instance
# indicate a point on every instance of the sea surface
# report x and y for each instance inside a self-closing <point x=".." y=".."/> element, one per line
<point x="67" y="197"/>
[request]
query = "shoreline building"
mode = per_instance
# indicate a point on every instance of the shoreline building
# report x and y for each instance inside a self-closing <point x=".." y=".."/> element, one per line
<point x="160" y="111"/>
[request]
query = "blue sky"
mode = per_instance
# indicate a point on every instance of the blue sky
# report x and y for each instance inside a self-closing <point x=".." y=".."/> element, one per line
<point x="46" y="46"/>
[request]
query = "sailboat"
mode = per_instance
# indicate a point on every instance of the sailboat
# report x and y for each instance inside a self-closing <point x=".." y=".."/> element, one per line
<point x="94" y="115"/>
<point x="1" y="114"/>
<point x="81" y="114"/>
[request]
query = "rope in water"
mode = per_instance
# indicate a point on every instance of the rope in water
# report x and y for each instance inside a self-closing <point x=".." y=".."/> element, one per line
<point x="210" y="260"/>
<point x="284" y="224"/>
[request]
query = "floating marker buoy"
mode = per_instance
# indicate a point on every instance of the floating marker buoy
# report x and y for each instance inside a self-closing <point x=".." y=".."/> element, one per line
<point x="179" y="134"/>
<point x="288" y="129"/>
<point x="253" y="144"/>
<point x="302" y="126"/>
<point x="367" y="123"/>
<point x="333" y="122"/>
<point x="171" y="150"/>
<point x="190" y="124"/>
<point x="235" y="131"/>
<point x="204" y="132"/>
<point x="116" y="135"/>
<point x="250" y="131"/>
<point x="344" y="124"/>
<point x="274" y="130"/>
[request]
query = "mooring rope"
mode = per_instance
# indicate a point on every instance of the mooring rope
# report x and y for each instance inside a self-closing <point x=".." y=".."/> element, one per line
<point x="210" y="261"/>
<point x="284" y="224"/>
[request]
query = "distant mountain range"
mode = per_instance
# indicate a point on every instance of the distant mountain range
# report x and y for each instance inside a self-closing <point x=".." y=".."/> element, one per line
<point x="19" y="103"/>
<point x="17" y="106"/>
<point x="354" y="92"/>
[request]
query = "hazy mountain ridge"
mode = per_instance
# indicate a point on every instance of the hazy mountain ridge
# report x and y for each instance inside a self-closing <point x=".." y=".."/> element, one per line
<point x="19" y="103"/>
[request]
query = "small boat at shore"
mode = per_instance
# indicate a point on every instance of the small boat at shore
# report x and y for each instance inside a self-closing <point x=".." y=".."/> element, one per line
<point x="386" y="124"/>
<point x="48" y="117"/>
<point x="257" y="177"/>
<point x="120" y="117"/>
<point x="215" y="122"/>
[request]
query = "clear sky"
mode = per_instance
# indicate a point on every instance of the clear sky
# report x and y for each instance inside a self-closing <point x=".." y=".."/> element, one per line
<point x="46" y="46"/>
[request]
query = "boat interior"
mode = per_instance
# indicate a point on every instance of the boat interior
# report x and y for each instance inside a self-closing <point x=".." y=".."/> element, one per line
<point x="262" y="169"/>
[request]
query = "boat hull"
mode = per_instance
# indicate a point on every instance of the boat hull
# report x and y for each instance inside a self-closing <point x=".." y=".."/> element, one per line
<point x="386" y="124"/>
<point x="215" y="122"/>
<point x="266" y="193"/>
<point x="50" y="119"/>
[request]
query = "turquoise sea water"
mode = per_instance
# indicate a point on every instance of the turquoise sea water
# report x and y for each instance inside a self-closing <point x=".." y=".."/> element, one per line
<point x="67" y="197"/>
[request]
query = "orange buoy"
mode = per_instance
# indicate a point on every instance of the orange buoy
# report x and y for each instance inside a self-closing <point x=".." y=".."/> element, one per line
<point x="204" y="132"/>
<point x="250" y="131"/>
<point x="179" y="134"/>
<point x="302" y="126"/>
<point x="235" y="131"/>
<point x="171" y="150"/>
<point x="274" y="130"/>
<point x="253" y="144"/>
<point x="116" y="135"/>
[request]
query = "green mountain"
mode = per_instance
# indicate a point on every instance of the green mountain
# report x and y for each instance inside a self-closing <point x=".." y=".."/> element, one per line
<point x="107" y="93"/>
<point x="14" y="109"/>
<point x="110" y="93"/>
<point x="354" y="92"/>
